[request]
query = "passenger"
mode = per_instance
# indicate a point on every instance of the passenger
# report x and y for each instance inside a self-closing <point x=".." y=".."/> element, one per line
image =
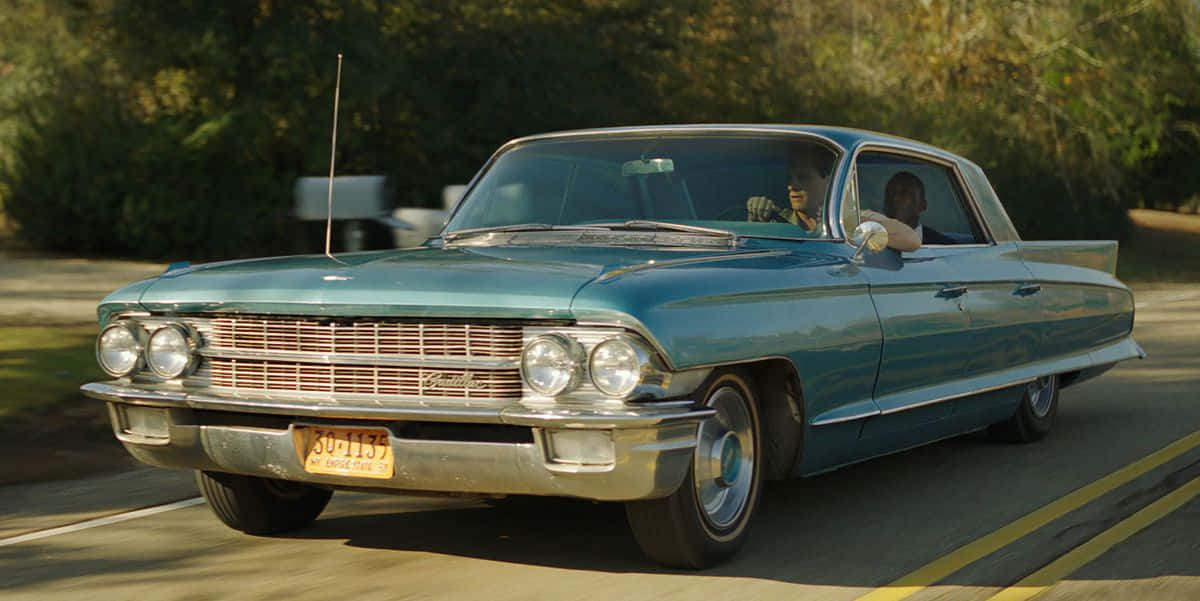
<point x="904" y="200"/>
<point x="806" y="196"/>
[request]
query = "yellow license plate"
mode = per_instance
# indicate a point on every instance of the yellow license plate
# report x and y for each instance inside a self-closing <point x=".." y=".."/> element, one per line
<point x="362" y="452"/>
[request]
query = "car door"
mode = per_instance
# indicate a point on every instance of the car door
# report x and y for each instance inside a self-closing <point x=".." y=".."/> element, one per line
<point x="919" y="298"/>
<point x="986" y="284"/>
<point x="1000" y="296"/>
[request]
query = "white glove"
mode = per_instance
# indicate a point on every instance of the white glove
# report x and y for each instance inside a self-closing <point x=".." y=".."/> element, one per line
<point x="761" y="208"/>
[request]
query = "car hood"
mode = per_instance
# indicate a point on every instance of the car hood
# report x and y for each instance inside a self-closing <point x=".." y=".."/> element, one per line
<point x="477" y="282"/>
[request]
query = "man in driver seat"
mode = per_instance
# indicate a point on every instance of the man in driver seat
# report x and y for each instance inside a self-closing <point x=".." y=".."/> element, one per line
<point x="806" y="195"/>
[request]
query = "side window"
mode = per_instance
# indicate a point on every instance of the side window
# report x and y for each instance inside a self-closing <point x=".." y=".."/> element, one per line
<point x="919" y="193"/>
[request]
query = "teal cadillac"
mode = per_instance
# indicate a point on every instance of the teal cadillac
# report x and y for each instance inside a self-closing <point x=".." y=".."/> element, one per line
<point x="661" y="316"/>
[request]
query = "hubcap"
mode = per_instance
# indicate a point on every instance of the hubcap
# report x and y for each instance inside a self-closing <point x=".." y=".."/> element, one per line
<point x="1041" y="393"/>
<point x="724" y="461"/>
<point x="727" y="456"/>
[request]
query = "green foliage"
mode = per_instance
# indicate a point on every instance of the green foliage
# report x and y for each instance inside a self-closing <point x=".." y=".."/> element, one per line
<point x="175" y="130"/>
<point x="67" y="180"/>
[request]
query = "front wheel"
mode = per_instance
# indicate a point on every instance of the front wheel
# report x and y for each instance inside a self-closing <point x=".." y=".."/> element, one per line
<point x="261" y="505"/>
<point x="1035" y="415"/>
<point x="706" y="520"/>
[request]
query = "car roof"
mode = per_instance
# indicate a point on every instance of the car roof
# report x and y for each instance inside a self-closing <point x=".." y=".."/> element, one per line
<point x="846" y="137"/>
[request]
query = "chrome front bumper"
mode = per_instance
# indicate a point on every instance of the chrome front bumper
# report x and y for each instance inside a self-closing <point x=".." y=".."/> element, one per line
<point x="652" y="446"/>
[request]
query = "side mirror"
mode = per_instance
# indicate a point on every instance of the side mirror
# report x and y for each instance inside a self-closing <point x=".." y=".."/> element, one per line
<point x="869" y="236"/>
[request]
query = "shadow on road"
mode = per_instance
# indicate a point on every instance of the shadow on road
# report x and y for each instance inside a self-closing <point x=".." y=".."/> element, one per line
<point x="868" y="524"/>
<point x="861" y="526"/>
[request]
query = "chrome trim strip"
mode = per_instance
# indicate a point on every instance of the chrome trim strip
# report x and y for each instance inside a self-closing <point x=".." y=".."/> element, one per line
<point x="521" y="416"/>
<point x="608" y="275"/>
<point x="513" y="415"/>
<point x="336" y="399"/>
<point x="878" y="412"/>
<point x="191" y="400"/>
<point x="128" y="315"/>
<point x="738" y="362"/>
<point x="659" y="239"/>
<point x="698" y="129"/>
<point x="845" y="418"/>
<point x="960" y="395"/>
<point x="662" y="404"/>
<point x="364" y="359"/>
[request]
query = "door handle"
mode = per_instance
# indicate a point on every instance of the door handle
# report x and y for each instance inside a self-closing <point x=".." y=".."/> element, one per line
<point x="1028" y="289"/>
<point x="952" y="291"/>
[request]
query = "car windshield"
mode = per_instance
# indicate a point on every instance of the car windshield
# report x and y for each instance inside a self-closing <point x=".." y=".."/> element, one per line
<point x="771" y="186"/>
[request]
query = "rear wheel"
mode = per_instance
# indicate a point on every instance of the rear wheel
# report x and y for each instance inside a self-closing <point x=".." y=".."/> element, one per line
<point x="1035" y="415"/>
<point x="261" y="505"/>
<point x="706" y="520"/>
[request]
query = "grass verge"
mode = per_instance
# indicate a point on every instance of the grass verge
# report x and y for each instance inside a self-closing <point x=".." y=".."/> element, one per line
<point x="48" y="430"/>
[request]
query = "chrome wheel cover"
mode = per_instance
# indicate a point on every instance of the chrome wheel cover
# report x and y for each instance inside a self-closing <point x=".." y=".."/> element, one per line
<point x="724" y="459"/>
<point x="1041" y="394"/>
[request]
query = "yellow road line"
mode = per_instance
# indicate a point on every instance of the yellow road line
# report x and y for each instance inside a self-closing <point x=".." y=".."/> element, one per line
<point x="932" y="572"/>
<point x="1037" y="582"/>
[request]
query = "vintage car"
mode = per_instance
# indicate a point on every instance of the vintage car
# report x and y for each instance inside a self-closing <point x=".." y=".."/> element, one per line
<point x="660" y="316"/>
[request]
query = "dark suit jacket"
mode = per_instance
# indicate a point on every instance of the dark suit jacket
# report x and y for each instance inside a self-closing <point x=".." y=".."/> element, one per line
<point x="932" y="236"/>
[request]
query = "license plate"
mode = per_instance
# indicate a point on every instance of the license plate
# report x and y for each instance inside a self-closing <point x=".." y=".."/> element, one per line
<point x="362" y="452"/>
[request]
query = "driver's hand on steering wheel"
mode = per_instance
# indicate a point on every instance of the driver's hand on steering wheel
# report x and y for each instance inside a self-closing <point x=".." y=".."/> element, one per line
<point x="761" y="208"/>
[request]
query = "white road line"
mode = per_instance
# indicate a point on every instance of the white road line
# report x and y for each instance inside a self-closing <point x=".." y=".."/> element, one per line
<point x="104" y="521"/>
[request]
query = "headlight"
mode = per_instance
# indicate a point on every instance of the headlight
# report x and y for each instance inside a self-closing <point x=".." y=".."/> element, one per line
<point x="550" y="364"/>
<point x="616" y="367"/>
<point x="170" y="352"/>
<point x="119" y="348"/>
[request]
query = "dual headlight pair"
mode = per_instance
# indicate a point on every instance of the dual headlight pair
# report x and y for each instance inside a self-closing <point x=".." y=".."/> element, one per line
<point x="125" y="347"/>
<point x="552" y="364"/>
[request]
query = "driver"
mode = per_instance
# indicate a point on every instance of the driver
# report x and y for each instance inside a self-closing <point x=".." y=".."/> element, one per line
<point x="806" y="195"/>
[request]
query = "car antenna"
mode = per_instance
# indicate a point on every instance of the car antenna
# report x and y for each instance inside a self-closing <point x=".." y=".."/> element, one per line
<point x="337" y="87"/>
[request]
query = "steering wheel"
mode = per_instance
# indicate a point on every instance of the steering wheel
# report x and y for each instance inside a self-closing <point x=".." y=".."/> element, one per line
<point x="729" y="213"/>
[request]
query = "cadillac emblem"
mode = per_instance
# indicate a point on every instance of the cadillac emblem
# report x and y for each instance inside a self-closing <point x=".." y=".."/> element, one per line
<point x="434" y="380"/>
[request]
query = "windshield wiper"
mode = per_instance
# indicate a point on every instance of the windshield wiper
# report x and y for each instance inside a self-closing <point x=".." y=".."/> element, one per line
<point x="649" y="225"/>
<point x="643" y="225"/>
<point x="516" y="227"/>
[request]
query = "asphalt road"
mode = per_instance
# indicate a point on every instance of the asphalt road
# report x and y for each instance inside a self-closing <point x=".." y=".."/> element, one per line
<point x="841" y="535"/>
<point x="41" y="290"/>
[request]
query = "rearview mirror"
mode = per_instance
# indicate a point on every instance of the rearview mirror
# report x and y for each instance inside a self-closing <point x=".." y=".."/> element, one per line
<point x="869" y="236"/>
<point x="647" y="167"/>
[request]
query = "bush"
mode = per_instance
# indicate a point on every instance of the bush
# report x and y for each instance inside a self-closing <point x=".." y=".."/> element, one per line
<point x="103" y="184"/>
<point x="66" y="181"/>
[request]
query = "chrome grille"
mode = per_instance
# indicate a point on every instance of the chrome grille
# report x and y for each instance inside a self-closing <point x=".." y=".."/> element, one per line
<point x="285" y="376"/>
<point x="364" y="337"/>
